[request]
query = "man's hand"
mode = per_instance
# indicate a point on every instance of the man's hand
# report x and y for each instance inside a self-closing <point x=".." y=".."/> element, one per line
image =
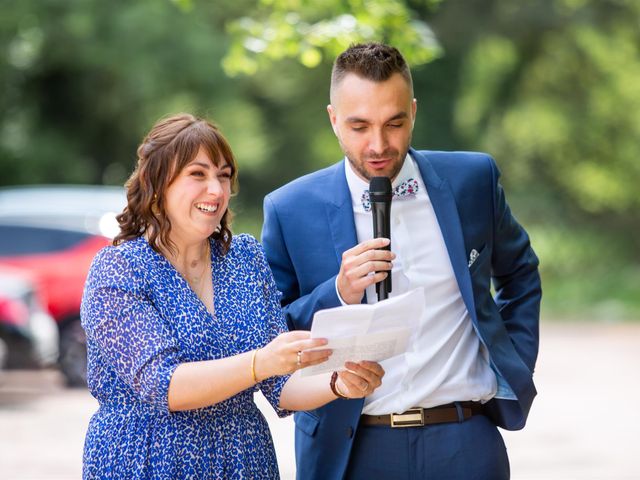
<point x="358" y="265"/>
<point x="360" y="379"/>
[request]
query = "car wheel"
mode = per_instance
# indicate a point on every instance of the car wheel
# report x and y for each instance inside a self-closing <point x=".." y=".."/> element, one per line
<point x="4" y="354"/>
<point x="73" y="354"/>
<point x="19" y="352"/>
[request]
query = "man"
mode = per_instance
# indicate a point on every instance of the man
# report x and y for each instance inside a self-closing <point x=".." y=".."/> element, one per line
<point x="469" y="365"/>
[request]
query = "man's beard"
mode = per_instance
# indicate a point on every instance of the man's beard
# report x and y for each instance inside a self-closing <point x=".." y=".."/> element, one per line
<point x="361" y="169"/>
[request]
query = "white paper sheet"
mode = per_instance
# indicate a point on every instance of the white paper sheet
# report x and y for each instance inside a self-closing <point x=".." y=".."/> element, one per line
<point x="366" y="332"/>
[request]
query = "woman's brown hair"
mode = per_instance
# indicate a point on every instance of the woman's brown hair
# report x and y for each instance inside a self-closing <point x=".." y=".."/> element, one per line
<point x="171" y="145"/>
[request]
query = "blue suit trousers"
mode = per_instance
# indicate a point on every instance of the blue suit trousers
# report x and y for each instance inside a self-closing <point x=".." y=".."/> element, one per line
<point x="469" y="450"/>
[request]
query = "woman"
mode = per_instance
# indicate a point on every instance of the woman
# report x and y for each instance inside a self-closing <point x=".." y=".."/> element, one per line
<point x="184" y="324"/>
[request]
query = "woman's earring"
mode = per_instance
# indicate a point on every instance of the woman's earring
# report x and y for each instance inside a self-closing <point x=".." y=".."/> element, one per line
<point x="154" y="205"/>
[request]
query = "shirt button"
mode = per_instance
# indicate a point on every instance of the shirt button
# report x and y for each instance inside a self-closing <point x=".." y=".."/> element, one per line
<point x="350" y="432"/>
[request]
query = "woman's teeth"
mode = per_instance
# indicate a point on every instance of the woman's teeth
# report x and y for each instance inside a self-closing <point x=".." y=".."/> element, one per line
<point x="207" y="208"/>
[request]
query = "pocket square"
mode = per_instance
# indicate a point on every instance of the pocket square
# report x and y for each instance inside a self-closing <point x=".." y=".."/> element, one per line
<point x="473" y="255"/>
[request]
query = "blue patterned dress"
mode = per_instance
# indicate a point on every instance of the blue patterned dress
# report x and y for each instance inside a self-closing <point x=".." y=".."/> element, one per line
<point x="142" y="320"/>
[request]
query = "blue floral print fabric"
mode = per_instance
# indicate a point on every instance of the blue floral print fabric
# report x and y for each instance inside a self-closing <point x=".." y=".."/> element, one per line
<point x="143" y="320"/>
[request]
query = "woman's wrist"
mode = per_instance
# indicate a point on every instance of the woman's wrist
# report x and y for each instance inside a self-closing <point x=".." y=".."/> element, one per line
<point x="334" y="386"/>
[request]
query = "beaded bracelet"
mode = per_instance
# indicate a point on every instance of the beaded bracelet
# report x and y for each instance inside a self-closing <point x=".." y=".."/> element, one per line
<point x="334" y="387"/>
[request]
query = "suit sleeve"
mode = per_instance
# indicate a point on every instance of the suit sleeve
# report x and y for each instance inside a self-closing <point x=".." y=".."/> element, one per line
<point x="515" y="277"/>
<point x="298" y="309"/>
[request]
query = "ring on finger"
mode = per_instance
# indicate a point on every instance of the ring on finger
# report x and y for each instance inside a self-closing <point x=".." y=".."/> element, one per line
<point x="299" y="360"/>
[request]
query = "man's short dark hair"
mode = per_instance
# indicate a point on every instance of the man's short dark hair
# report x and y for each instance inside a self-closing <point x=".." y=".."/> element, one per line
<point x="372" y="61"/>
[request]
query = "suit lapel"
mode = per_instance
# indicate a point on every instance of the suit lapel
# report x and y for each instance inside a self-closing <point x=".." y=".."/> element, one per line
<point x="444" y="206"/>
<point x="340" y="212"/>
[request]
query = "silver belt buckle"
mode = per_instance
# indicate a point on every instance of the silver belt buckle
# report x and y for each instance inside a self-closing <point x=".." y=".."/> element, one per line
<point x="414" y="417"/>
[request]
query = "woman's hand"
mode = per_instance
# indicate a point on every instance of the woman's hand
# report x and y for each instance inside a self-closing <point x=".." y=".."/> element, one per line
<point x="360" y="379"/>
<point x="287" y="353"/>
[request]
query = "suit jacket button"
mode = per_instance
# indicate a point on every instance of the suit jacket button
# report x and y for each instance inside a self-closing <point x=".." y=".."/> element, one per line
<point x="350" y="432"/>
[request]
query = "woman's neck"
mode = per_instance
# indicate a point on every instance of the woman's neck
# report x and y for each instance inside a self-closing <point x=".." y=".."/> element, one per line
<point x="193" y="262"/>
<point x="191" y="256"/>
<point x="187" y="257"/>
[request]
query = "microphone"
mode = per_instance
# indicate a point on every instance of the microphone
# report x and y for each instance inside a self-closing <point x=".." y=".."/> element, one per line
<point x="380" y="196"/>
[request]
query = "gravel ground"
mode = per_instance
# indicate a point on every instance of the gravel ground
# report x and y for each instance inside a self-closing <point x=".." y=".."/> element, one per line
<point x="584" y="424"/>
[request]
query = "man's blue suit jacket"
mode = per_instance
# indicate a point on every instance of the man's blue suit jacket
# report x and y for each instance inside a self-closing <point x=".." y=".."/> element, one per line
<point x="309" y="223"/>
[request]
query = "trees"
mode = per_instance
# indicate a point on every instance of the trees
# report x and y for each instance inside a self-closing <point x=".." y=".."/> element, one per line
<point x="549" y="88"/>
<point x="315" y="31"/>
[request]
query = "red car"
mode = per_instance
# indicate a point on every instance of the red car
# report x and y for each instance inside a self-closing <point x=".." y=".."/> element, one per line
<point x="54" y="232"/>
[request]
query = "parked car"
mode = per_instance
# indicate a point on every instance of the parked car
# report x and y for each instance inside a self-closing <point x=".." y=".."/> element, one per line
<point x="28" y="334"/>
<point x="54" y="232"/>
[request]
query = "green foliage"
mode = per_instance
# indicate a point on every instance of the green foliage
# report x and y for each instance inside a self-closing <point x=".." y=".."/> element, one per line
<point x="315" y="31"/>
<point x="565" y="110"/>
<point x="82" y="81"/>
<point x="586" y="274"/>
<point x="550" y="88"/>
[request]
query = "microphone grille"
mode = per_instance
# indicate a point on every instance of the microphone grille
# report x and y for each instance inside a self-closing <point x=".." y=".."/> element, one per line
<point x="380" y="185"/>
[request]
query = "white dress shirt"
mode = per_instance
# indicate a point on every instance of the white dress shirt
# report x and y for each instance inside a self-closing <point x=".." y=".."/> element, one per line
<point x="445" y="360"/>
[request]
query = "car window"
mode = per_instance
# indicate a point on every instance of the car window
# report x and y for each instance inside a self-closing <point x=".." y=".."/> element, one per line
<point x="23" y="240"/>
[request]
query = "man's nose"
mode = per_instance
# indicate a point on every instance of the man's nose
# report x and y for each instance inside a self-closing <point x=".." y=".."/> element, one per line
<point x="378" y="142"/>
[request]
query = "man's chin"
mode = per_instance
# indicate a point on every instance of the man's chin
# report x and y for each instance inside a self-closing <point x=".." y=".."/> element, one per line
<point x="367" y="169"/>
<point x="390" y="171"/>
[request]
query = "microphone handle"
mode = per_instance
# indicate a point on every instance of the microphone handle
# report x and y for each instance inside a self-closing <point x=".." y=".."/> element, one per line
<point x="382" y="228"/>
<point x="381" y="290"/>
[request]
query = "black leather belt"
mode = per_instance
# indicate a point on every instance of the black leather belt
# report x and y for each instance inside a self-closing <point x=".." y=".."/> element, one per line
<point x="419" y="417"/>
